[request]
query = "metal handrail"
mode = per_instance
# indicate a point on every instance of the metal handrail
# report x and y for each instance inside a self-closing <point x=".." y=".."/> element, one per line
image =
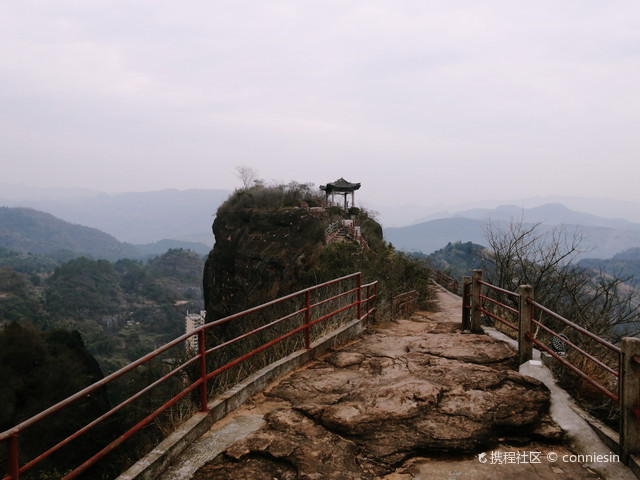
<point x="573" y="325"/>
<point x="446" y="281"/>
<point x="369" y="300"/>
<point x="616" y="350"/>
<point x="404" y="302"/>
<point x="537" y="306"/>
<point x="508" y="308"/>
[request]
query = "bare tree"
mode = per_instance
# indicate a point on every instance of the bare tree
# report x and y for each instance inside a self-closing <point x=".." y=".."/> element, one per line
<point x="529" y="254"/>
<point x="545" y="258"/>
<point x="248" y="176"/>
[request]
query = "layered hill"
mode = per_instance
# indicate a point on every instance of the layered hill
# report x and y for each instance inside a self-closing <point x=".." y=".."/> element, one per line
<point x="625" y="263"/>
<point x="133" y="217"/>
<point x="602" y="237"/>
<point x="28" y="231"/>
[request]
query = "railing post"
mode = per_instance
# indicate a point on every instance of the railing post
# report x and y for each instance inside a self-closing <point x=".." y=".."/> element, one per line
<point x="359" y="307"/>
<point x="629" y="398"/>
<point x="525" y="345"/>
<point x="13" y="467"/>
<point x="367" y="304"/>
<point x="307" y="320"/>
<point x="202" y="362"/>
<point x="476" y="301"/>
<point x="466" y="313"/>
<point x="375" y="300"/>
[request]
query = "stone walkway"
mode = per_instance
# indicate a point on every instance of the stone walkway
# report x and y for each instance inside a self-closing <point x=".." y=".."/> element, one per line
<point x="413" y="399"/>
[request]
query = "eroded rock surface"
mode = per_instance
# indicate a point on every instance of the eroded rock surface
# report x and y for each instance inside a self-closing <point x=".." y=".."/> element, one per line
<point x="412" y="388"/>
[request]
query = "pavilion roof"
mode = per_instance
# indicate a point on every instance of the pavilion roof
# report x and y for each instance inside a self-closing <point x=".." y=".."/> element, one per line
<point x="340" y="185"/>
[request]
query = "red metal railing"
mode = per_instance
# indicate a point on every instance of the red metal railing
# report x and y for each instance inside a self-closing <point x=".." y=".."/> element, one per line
<point x="612" y="371"/>
<point x="357" y="236"/>
<point x="404" y="303"/>
<point x="501" y="308"/>
<point x="308" y="307"/>
<point x="576" y="328"/>
<point x="446" y="281"/>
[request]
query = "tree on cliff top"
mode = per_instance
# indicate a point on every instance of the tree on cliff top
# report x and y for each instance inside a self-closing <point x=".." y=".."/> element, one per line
<point x="247" y="175"/>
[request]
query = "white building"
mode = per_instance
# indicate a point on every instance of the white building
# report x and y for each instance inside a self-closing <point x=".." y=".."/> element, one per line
<point x="191" y="322"/>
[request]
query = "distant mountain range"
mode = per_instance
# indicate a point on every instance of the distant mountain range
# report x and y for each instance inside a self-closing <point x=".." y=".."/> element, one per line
<point x="412" y="214"/>
<point x="550" y="213"/>
<point x="25" y="230"/>
<point x="163" y="218"/>
<point x="135" y="217"/>
<point x="602" y="237"/>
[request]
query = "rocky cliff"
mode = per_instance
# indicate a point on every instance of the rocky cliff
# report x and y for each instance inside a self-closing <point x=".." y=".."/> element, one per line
<point x="259" y="255"/>
<point x="273" y="241"/>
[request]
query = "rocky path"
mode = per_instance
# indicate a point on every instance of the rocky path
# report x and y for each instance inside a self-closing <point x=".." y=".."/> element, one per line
<point x="413" y="399"/>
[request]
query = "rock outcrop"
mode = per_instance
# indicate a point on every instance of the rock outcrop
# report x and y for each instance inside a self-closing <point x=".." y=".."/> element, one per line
<point x="271" y="242"/>
<point x="258" y="256"/>
<point x="365" y="410"/>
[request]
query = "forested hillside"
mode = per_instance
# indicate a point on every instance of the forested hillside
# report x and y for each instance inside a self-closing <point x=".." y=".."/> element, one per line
<point x="122" y="309"/>
<point x="74" y="308"/>
<point x="458" y="259"/>
<point x="625" y="263"/>
<point x="25" y="230"/>
<point x="37" y="370"/>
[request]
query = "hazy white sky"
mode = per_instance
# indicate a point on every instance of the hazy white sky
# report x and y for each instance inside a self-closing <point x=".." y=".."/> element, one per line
<point x="421" y="101"/>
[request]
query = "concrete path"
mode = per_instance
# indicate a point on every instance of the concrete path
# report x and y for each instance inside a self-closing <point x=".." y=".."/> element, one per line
<point x="221" y="436"/>
<point x="247" y="428"/>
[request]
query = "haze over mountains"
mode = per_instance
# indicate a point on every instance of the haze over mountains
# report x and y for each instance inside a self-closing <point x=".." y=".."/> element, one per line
<point x="28" y="231"/>
<point x="411" y="214"/>
<point x="133" y="217"/>
<point x="164" y="217"/>
<point x="602" y="237"/>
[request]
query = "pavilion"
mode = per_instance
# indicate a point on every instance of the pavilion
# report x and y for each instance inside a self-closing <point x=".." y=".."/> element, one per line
<point x="340" y="187"/>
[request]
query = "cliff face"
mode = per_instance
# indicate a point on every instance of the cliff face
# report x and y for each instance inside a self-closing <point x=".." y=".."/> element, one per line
<point x="258" y="256"/>
<point x="270" y="242"/>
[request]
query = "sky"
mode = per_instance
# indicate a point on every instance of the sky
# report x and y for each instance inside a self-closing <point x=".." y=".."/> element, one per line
<point x="422" y="101"/>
